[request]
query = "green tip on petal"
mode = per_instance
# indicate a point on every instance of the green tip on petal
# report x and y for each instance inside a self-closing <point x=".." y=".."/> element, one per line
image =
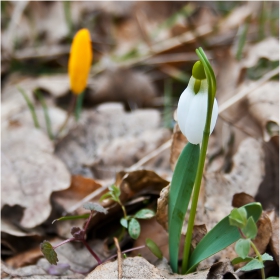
<point x="198" y="71"/>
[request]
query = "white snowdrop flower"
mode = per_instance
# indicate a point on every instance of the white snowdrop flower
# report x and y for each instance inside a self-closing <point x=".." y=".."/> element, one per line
<point x="192" y="107"/>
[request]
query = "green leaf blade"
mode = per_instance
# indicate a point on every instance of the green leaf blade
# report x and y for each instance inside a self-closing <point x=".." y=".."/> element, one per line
<point x="240" y="260"/>
<point x="144" y="214"/>
<point x="49" y="252"/>
<point x="238" y="217"/>
<point x="95" y="207"/>
<point x="267" y="257"/>
<point x="252" y="265"/>
<point x="124" y="222"/>
<point x="134" y="228"/>
<point x="250" y="230"/>
<point x="179" y="196"/>
<point x="242" y="247"/>
<point x="220" y="237"/>
<point x="154" y="248"/>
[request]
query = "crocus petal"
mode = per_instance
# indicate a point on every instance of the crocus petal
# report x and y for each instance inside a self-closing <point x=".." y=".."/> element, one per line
<point x="80" y="61"/>
<point x="184" y="104"/>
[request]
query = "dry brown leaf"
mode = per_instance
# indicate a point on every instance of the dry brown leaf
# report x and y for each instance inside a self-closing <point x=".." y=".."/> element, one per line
<point x="162" y="207"/>
<point x="179" y="141"/>
<point x="268" y="48"/>
<point x="139" y="182"/>
<point x="135" y="89"/>
<point x="85" y="146"/>
<point x="241" y="199"/>
<point x="30" y="173"/>
<point x="264" y="233"/>
<point x="246" y="175"/>
<point x="80" y="187"/>
<point x="151" y="229"/>
<point x="264" y="107"/>
<point x="274" y="241"/>
<point x="222" y="270"/>
<point x="28" y="257"/>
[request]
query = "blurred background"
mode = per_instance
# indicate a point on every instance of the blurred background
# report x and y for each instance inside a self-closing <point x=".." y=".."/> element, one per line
<point x="143" y="56"/>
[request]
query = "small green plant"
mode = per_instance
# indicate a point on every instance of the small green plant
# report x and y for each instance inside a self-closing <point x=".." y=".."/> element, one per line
<point x="129" y="222"/>
<point x="197" y="114"/>
<point x="78" y="234"/>
<point x="248" y="231"/>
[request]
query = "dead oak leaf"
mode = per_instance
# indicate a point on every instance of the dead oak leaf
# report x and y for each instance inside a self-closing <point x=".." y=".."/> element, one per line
<point x="30" y="173"/>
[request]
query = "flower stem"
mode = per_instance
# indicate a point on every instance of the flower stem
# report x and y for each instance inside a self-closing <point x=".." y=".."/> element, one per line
<point x="64" y="242"/>
<point x="259" y="257"/>
<point x="211" y="80"/>
<point x="92" y="252"/>
<point x="196" y="190"/>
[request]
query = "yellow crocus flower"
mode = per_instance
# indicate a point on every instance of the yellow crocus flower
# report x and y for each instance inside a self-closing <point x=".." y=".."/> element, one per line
<point x="80" y="61"/>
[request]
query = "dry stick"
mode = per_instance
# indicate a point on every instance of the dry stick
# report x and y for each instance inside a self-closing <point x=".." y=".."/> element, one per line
<point x="119" y="258"/>
<point x="70" y="111"/>
<point x="237" y="97"/>
<point x="151" y="155"/>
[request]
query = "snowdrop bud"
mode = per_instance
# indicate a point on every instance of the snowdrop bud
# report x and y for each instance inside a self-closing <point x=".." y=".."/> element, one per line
<point x="80" y="61"/>
<point x="192" y="106"/>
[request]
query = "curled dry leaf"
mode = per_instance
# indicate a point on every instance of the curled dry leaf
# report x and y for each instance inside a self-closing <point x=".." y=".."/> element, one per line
<point x="30" y="173"/>
<point x="274" y="241"/>
<point x="162" y="207"/>
<point x="179" y="141"/>
<point x="240" y="199"/>
<point x="264" y="233"/>
<point x="268" y="48"/>
<point x="123" y="85"/>
<point x="246" y="175"/>
<point x="264" y="107"/>
<point x="28" y="257"/>
<point x="91" y="149"/>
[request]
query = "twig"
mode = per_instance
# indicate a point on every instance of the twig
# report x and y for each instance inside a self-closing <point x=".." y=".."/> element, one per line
<point x="151" y="155"/>
<point x="87" y="198"/>
<point x="241" y="94"/>
<point x="119" y="258"/>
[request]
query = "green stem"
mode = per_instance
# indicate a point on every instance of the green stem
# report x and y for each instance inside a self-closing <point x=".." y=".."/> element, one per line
<point x="211" y="80"/>
<point x="259" y="257"/>
<point x="30" y="106"/>
<point x="79" y="104"/>
<point x="46" y="114"/>
<point x="196" y="190"/>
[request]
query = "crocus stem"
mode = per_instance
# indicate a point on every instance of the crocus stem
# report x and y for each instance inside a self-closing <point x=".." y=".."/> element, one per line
<point x="70" y="111"/>
<point x="92" y="252"/>
<point x="259" y="257"/>
<point x="195" y="196"/>
<point x="79" y="104"/>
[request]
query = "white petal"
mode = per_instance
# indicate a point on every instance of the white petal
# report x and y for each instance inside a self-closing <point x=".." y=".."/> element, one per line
<point x="196" y="118"/>
<point x="215" y="113"/>
<point x="184" y="104"/>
